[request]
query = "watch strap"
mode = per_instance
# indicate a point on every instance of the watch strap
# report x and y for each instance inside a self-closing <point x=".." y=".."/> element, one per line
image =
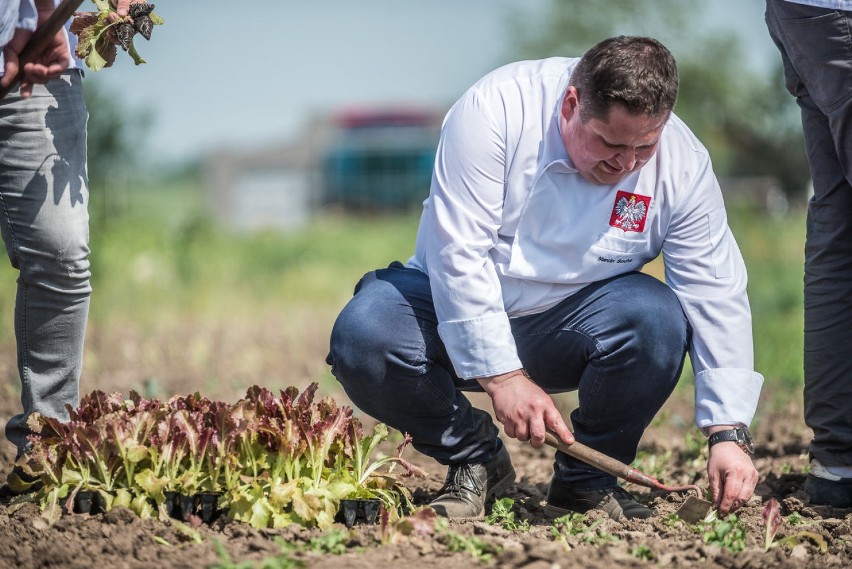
<point x="737" y="435"/>
<point x="728" y="435"/>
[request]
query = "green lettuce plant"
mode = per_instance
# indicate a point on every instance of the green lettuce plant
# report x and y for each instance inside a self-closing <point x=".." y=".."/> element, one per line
<point x="100" y="33"/>
<point x="273" y="459"/>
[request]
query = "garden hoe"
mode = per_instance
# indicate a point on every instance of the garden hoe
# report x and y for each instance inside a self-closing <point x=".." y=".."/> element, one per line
<point x="693" y="510"/>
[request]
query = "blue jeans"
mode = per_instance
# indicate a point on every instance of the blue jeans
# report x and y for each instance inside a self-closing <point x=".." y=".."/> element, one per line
<point x="620" y="342"/>
<point x="44" y="223"/>
<point x="816" y="50"/>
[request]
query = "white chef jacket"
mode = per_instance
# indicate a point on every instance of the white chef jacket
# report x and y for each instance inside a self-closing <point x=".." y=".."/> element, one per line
<point x="510" y="229"/>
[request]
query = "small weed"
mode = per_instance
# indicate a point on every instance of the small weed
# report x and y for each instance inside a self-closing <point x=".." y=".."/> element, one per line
<point x="728" y="533"/>
<point x="644" y="552"/>
<point x="333" y="542"/>
<point x="478" y="549"/>
<point x="225" y="559"/>
<point x="280" y="562"/>
<point x="503" y="516"/>
<point x="671" y="520"/>
<point x="578" y="525"/>
<point x="796" y="519"/>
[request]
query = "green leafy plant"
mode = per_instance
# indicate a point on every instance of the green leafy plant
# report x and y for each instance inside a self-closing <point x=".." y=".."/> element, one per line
<point x="772" y="521"/>
<point x="728" y="533"/>
<point x="671" y="520"/>
<point x="455" y="542"/>
<point x="100" y="33"/>
<point x="503" y="516"/>
<point x="281" y="561"/>
<point x="642" y="551"/>
<point x="579" y="527"/>
<point x="270" y="459"/>
<point x="795" y="519"/>
<point x="331" y="542"/>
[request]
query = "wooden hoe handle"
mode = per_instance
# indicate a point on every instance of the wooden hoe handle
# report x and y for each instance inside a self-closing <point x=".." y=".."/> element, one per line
<point x="612" y="466"/>
<point x="589" y="455"/>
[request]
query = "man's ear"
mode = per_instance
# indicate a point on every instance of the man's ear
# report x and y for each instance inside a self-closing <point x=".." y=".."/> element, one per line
<point x="570" y="102"/>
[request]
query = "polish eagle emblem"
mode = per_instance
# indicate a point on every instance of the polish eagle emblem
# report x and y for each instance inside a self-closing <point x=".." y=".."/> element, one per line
<point x="630" y="211"/>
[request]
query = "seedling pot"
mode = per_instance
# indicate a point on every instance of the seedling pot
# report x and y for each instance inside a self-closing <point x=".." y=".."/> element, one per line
<point x="172" y="504"/>
<point x="208" y="506"/>
<point x="363" y="511"/>
<point x="89" y="502"/>
<point x="185" y="506"/>
<point x="83" y="502"/>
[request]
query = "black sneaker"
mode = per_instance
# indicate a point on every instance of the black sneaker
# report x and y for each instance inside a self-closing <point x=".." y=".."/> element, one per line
<point x="469" y="486"/>
<point x="834" y="493"/>
<point x="615" y="501"/>
<point x="19" y="482"/>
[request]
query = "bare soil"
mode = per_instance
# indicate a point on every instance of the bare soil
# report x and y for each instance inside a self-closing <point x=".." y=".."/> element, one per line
<point x="118" y="539"/>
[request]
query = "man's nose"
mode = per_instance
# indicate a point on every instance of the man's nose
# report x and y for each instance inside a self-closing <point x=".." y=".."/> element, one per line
<point x="626" y="159"/>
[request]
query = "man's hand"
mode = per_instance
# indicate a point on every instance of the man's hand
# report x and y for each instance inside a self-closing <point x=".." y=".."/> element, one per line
<point x="122" y="7"/>
<point x="49" y="64"/>
<point x="733" y="476"/>
<point x="524" y="409"/>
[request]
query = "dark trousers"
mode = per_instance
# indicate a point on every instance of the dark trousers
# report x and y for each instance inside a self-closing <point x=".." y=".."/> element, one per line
<point x="816" y="48"/>
<point x="621" y="343"/>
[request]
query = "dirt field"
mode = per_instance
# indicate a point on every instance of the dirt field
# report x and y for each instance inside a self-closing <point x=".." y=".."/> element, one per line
<point x="119" y="540"/>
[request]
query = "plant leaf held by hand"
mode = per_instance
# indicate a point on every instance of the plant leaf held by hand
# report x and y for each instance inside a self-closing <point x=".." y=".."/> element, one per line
<point x="99" y="33"/>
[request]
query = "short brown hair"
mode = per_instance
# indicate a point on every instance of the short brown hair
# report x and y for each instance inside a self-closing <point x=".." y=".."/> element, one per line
<point x="637" y="72"/>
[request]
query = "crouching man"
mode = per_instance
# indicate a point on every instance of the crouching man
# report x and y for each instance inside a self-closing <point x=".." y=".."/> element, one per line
<point x="555" y="182"/>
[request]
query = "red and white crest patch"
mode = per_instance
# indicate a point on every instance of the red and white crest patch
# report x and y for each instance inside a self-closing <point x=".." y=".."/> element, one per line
<point x="630" y="211"/>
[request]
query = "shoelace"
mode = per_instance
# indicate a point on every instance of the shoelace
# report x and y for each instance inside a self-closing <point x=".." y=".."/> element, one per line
<point x="461" y="477"/>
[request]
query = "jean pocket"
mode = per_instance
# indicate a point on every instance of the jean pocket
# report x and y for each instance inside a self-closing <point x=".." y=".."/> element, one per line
<point x="820" y="48"/>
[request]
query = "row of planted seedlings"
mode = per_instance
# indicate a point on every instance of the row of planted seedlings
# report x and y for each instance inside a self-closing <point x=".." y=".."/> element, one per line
<point x="268" y="460"/>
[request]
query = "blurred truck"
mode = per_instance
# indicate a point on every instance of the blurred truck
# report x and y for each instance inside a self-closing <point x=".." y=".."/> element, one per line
<point x="379" y="159"/>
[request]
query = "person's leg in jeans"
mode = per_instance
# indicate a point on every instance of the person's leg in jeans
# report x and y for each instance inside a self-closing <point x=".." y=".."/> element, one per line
<point x="386" y="352"/>
<point x="44" y="222"/>
<point x="621" y="342"/>
<point x="816" y="49"/>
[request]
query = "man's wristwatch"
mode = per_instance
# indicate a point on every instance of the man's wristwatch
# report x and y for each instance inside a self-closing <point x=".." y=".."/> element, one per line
<point x="739" y="435"/>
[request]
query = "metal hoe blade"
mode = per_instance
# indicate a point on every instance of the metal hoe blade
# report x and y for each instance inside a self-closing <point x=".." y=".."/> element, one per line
<point x="694" y="510"/>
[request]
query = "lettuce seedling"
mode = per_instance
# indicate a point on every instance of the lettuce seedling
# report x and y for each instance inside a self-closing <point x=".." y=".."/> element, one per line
<point x="100" y="33"/>
<point x="773" y="521"/>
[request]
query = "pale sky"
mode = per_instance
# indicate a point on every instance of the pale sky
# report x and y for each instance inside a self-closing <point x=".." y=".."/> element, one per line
<point x="243" y="75"/>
